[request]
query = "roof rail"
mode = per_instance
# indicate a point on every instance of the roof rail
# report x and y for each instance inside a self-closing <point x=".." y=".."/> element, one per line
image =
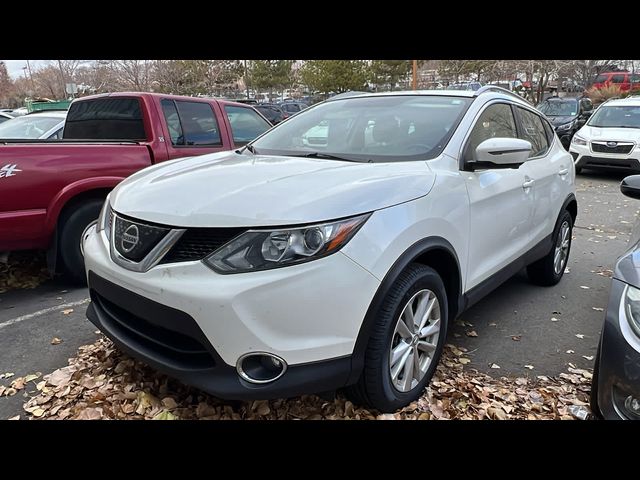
<point x="494" y="88"/>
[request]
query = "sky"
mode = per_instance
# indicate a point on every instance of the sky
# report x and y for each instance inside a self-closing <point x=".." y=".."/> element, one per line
<point x="15" y="66"/>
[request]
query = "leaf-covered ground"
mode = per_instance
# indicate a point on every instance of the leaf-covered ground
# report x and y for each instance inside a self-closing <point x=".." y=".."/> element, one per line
<point x="103" y="383"/>
<point x="24" y="269"/>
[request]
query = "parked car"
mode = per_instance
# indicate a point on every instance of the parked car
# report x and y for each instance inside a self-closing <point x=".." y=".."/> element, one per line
<point x="615" y="388"/>
<point x="291" y="108"/>
<point x="271" y="112"/>
<point x="51" y="192"/>
<point x="283" y="269"/>
<point x="41" y="125"/>
<point x="473" y="86"/>
<point x="567" y="115"/>
<point x="625" y="80"/>
<point x="610" y="138"/>
<point x="4" y="116"/>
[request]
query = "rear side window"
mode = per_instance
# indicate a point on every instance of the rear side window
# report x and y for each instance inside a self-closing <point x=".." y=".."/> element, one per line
<point x="199" y="125"/>
<point x="496" y="121"/>
<point x="245" y="123"/>
<point x="173" y="122"/>
<point x="105" y="119"/>
<point x="635" y="78"/>
<point x="533" y="131"/>
<point x="601" y="78"/>
<point x="617" y="79"/>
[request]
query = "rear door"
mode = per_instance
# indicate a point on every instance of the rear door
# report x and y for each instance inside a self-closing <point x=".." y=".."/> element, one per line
<point x="192" y="127"/>
<point x="501" y="201"/>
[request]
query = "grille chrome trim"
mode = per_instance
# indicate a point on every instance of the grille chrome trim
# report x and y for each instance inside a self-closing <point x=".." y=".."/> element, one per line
<point x="152" y="258"/>
<point x="601" y="146"/>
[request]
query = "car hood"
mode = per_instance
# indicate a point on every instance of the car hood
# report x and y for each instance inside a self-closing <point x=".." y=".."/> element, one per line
<point x="557" y="121"/>
<point x="238" y="190"/>
<point x="610" y="133"/>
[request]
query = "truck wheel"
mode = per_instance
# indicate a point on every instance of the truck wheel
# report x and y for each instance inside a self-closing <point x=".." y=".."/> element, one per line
<point x="72" y="228"/>
<point x="406" y="342"/>
<point x="549" y="269"/>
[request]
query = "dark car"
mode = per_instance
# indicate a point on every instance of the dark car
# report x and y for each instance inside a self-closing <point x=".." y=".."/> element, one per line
<point x="615" y="390"/>
<point x="291" y="108"/>
<point x="271" y="112"/>
<point x="567" y="115"/>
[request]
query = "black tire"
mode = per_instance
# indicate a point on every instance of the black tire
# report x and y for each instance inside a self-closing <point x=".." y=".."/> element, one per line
<point x="542" y="272"/>
<point x="374" y="387"/>
<point x="593" y="395"/>
<point x="72" y="225"/>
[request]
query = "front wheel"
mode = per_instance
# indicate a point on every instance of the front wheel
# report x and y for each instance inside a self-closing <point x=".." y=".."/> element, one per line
<point x="406" y="342"/>
<point x="549" y="269"/>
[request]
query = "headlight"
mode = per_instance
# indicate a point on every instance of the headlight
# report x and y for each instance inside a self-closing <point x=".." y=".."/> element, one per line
<point x="566" y="126"/>
<point x="632" y="308"/>
<point x="576" y="140"/>
<point x="105" y="218"/>
<point x="266" y="249"/>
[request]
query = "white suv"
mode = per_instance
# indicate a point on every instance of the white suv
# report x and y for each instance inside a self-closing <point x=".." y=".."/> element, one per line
<point x="285" y="268"/>
<point x="611" y="137"/>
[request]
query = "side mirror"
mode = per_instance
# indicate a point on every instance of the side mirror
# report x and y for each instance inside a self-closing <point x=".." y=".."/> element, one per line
<point x="504" y="152"/>
<point x="630" y="186"/>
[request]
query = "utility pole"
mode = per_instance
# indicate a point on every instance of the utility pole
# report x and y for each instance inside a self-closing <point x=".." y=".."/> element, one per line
<point x="246" y="78"/>
<point x="64" y="86"/>
<point x="415" y="74"/>
<point x="30" y="75"/>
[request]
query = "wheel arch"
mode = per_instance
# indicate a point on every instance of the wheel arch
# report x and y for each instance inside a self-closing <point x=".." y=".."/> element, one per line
<point x="434" y="252"/>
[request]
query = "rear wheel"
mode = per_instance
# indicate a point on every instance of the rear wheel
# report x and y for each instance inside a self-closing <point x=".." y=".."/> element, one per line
<point x="406" y="342"/>
<point x="74" y="227"/>
<point x="549" y="269"/>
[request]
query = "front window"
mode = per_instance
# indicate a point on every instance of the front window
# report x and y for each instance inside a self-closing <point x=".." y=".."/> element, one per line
<point x="621" y="117"/>
<point x="28" y="127"/>
<point x="601" y="78"/>
<point x="245" y="123"/>
<point x="369" y="129"/>
<point x="554" y="108"/>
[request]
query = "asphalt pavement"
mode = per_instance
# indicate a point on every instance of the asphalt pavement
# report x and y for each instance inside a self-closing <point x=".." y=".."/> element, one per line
<point x="516" y="327"/>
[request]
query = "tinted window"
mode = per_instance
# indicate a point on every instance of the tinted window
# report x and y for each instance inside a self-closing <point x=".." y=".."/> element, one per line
<point x="271" y="113"/>
<point x="105" y="119"/>
<point x="173" y="122"/>
<point x="635" y="78"/>
<point x="617" y="79"/>
<point x="533" y="131"/>
<point x="28" y="126"/>
<point x="245" y="123"/>
<point x="290" y="107"/>
<point x="199" y="125"/>
<point x="496" y="121"/>
<point x="601" y="78"/>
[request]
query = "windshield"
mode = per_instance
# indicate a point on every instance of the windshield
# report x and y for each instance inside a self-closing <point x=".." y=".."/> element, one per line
<point x="554" y="108"/>
<point x="369" y="129"/>
<point x="621" y="117"/>
<point x="28" y="126"/>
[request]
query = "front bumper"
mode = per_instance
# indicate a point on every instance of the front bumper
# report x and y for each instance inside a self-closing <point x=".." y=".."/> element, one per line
<point x="194" y="324"/>
<point x="583" y="157"/>
<point x="618" y="375"/>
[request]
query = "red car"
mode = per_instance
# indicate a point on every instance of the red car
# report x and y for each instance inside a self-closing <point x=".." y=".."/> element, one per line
<point x="625" y="80"/>
<point x="52" y="191"/>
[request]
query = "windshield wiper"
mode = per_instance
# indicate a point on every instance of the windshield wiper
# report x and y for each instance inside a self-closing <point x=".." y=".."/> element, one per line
<point x="330" y="156"/>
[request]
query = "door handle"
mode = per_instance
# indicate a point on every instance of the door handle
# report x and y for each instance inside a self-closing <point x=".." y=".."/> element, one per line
<point x="563" y="172"/>
<point x="528" y="184"/>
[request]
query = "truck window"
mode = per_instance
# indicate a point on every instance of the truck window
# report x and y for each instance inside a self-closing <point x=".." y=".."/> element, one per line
<point x="245" y="123"/>
<point x="198" y="123"/>
<point x="173" y="122"/>
<point x="105" y="119"/>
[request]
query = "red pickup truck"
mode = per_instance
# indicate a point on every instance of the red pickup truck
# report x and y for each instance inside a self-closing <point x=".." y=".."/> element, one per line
<point x="52" y="191"/>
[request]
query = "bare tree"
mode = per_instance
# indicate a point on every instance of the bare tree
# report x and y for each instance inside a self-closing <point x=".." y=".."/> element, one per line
<point x="134" y="74"/>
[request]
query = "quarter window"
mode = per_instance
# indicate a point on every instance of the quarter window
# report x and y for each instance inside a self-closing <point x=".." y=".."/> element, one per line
<point x="533" y="131"/>
<point x="496" y="121"/>
<point x="199" y="125"/>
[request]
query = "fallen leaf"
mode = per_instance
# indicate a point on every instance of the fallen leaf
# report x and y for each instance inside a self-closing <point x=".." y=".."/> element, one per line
<point x="31" y="377"/>
<point x="6" y="375"/>
<point x="464" y="360"/>
<point x="567" y="271"/>
<point x="496" y="413"/>
<point x="580" y="335"/>
<point x="18" y="383"/>
<point x="10" y="392"/>
<point x="38" y="412"/>
<point x="17" y="417"/>
<point x="587" y="357"/>
<point x="60" y="377"/>
<point x="530" y="367"/>
<point x="56" y="341"/>
<point x="598" y="309"/>
<point x="169" y="403"/>
<point x="554" y="319"/>
<point x="584" y="287"/>
<point x="570" y="351"/>
<point x="90" y="414"/>
<point x="67" y="311"/>
<point x="495" y="365"/>
<point x="471" y="333"/>
<point x="493" y="324"/>
<point x="516" y="338"/>
<point x="165" y="415"/>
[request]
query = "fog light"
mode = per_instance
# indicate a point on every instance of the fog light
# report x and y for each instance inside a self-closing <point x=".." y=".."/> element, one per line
<point x="632" y="405"/>
<point x="260" y="367"/>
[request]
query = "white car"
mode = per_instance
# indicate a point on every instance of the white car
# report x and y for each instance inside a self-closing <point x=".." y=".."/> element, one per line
<point x="283" y="269"/>
<point x="46" y="125"/>
<point x="611" y="137"/>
